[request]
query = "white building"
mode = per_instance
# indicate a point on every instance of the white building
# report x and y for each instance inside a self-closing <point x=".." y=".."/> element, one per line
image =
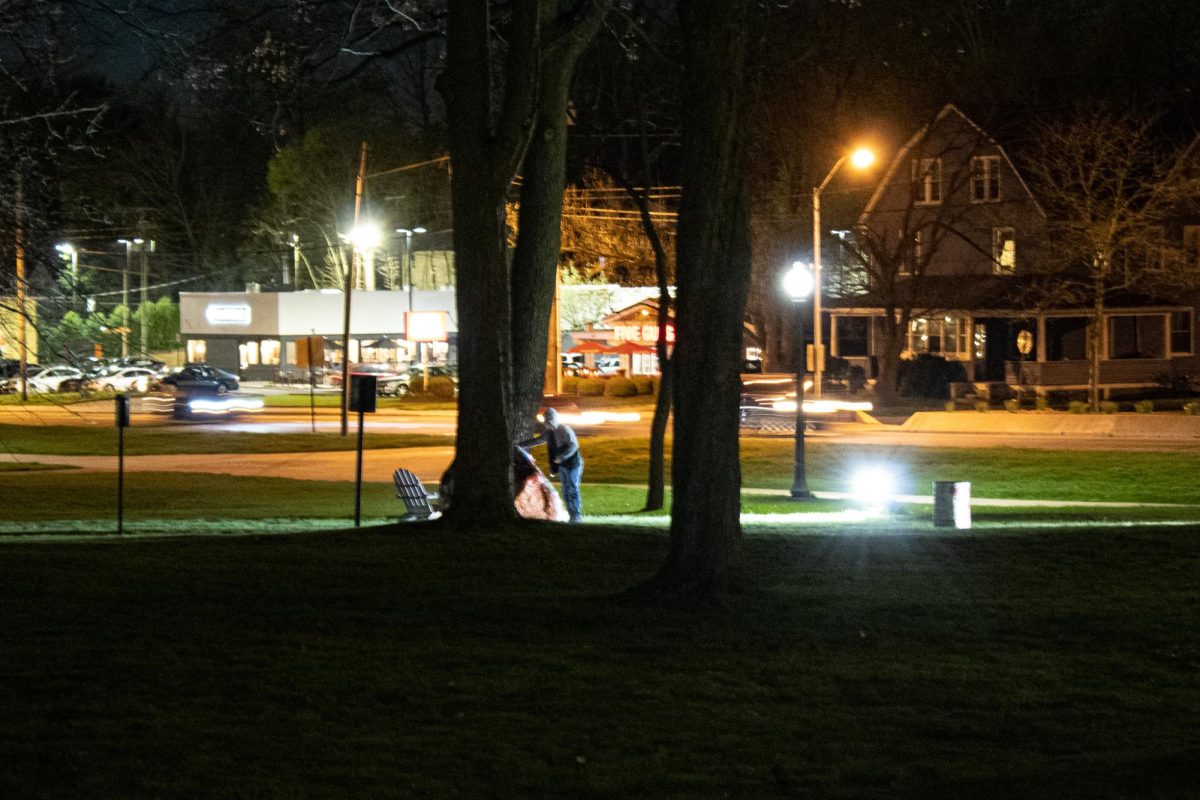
<point x="255" y="333"/>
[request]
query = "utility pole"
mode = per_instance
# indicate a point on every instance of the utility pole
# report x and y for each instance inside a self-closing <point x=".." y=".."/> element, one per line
<point x="359" y="185"/>
<point x="129" y="243"/>
<point x="145" y="327"/>
<point x="22" y="332"/>
<point x="296" y="257"/>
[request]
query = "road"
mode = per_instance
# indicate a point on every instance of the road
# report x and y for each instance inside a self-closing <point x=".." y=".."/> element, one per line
<point x="442" y="422"/>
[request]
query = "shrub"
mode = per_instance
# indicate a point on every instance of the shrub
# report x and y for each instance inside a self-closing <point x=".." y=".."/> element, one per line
<point x="643" y="383"/>
<point x="571" y="385"/>
<point x="620" y="387"/>
<point x="591" y="387"/>
<point x="951" y="405"/>
<point x="655" y="382"/>
<point x="1108" y="407"/>
<point x="1041" y="403"/>
<point x="1192" y="409"/>
<point x="442" y="386"/>
<point x="1012" y="404"/>
<point x="929" y="376"/>
<point x="1077" y="407"/>
<point x="1144" y="406"/>
<point x="982" y="406"/>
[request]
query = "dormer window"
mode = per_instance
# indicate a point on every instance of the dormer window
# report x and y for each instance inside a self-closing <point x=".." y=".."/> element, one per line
<point x="927" y="180"/>
<point x="985" y="179"/>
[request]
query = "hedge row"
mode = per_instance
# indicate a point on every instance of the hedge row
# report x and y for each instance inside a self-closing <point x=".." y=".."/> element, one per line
<point x="616" y="386"/>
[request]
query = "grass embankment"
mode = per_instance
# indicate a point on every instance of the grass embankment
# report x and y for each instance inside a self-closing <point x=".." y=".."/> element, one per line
<point x="429" y="662"/>
<point x="334" y="400"/>
<point x="46" y="399"/>
<point x="28" y="466"/>
<point x="66" y="440"/>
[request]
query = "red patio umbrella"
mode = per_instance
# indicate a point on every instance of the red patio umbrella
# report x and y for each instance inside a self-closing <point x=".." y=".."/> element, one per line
<point x="630" y="348"/>
<point x="590" y="348"/>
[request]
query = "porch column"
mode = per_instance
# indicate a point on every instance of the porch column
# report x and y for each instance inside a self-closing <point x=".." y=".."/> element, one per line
<point x="1041" y="337"/>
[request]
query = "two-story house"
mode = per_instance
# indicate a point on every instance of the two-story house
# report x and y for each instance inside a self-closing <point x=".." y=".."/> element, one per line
<point x="945" y="260"/>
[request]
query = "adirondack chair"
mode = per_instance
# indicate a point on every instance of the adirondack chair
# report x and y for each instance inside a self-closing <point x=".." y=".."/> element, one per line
<point x="418" y="504"/>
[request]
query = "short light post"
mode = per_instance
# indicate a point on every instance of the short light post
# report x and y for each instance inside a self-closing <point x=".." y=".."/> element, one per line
<point x="798" y="284"/>
<point x="862" y="158"/>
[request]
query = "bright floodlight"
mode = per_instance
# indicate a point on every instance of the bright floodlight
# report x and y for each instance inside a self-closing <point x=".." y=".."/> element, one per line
<point x="66" y="248"/>
<point x="366" y="236"/>
<point x="862" y="158"/>
<point x="798" y="282"/>
<point x="873" y="487"/>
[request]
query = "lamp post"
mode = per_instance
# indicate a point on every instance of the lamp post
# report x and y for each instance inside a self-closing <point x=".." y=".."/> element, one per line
<point x="129" y="243"/>
<point x="362" y="237"/>
<point x="798" y="283"/>
<point x="861" y="158"/>
<point x="70" y="254"/>
<point x="409" y="258"/>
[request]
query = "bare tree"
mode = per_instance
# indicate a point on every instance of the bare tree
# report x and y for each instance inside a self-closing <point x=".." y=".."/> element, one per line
<point x="1111" y="187"/>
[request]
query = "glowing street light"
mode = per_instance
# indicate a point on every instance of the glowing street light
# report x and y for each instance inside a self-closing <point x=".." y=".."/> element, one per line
<point x="861" y="158"/>
<point x="798" y="283"/>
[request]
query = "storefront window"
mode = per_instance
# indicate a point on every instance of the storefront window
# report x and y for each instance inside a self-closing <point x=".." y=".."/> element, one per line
<point x="269" y="351"/>
<point x="248" y="354"/>
<point x="197" y="351"/>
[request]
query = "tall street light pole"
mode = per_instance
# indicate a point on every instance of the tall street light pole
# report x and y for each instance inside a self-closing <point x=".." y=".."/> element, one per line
<point x="409" y="259"/>
<point x="798" y="283"/>
<point x="860" y="159"/>
<point x="129" y="243"/>
<point x="145" y="297"/>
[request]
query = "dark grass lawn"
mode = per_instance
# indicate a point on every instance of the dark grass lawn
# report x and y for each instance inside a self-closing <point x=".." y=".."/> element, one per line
<point x="429" y="662"/>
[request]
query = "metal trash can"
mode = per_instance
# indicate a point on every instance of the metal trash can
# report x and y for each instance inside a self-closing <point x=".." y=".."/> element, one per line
<point x="952" y="504"/>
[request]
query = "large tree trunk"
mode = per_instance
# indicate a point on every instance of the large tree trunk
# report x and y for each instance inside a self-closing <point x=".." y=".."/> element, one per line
<point x="1095" y="340"/>
<point x="713" y="274"/>
<point x="539" y="237"/>
<point x="485" y="149"/>
<point x="539" y="233"/>
<point x="887" y="379"/>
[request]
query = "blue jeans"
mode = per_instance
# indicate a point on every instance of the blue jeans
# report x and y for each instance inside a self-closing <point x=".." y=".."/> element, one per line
<point x="570" y="488"/>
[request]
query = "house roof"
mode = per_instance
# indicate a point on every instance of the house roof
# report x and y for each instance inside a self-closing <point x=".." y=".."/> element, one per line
<point x="902" y="156"/>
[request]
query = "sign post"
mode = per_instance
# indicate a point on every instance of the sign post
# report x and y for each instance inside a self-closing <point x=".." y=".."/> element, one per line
<point x="310" y="352"/>
<point x="362" y="400"/>
<point x="122" y="421"/>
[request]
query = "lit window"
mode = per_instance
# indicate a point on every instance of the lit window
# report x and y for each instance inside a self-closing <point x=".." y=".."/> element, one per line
<point x="1004" y="250"/>
<point x="927" y="180"/>
<point x="269" y="351"/>
<point x="985" y="179"/>
<point x="197" y="351"/>
<point x="940" y="336"/>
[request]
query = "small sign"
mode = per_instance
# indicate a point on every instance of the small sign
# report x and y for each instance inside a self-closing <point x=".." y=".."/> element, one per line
<point x="310" y="351"/>
<point x="122" y="410"/>
<point x="362" y="393"/>
<point x="227" y="314"/>
<point x="1025" y="342"/>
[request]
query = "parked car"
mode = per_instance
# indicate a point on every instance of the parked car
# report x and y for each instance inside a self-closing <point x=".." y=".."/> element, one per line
<point x="49" y="379"/>
<point x="129" y="379"/>
<point x="199" y="374"/>
<point x="382" y="372"/>
<point x="403" y="383"/>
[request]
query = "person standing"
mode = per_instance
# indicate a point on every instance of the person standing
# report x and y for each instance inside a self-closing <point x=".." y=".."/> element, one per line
<point x="565" y="460"/>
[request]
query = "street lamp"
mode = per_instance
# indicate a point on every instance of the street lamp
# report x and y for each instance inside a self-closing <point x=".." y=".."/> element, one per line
<point x="798" y="283"/>
<point x="129" y="243"/>
<point x="71" y="255"/>
<point x="363" y="237"/>
<point x="861" y="158"/>
<point x="409" y="258"/>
